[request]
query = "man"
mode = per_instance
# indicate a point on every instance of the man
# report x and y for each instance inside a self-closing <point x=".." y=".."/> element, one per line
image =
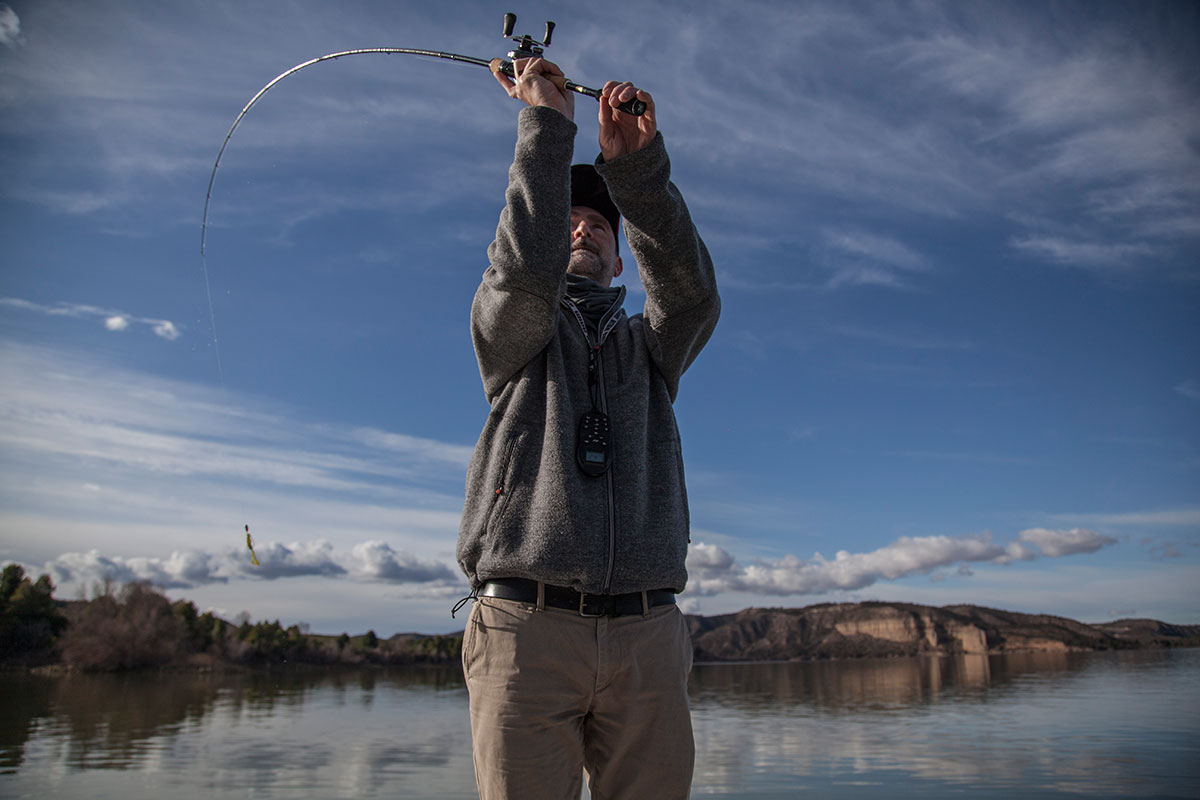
<point x="575" y="526"/>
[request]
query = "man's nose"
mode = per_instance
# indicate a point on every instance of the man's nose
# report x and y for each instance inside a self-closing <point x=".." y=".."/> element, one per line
<point x="582" y="229"/>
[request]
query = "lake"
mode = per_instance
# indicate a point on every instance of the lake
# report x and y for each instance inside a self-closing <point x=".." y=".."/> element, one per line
<point x="1037" y="725"/>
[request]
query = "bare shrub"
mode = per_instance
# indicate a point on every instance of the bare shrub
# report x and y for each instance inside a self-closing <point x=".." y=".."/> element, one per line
<point x="137" y="628"/>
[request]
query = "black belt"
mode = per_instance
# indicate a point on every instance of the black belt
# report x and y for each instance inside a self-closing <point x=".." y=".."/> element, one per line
<point x="524" y="590"/>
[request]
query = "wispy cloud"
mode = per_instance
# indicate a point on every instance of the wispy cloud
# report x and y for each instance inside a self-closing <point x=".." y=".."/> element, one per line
<point x="714" y="570"/>
<point x="10" y="26"/>
<point x="1118" y="127"/>
<point x="985" y="112"/>
<point x="1179" y="517"/>
<point x="1190" y="389"/>
<point x="113" y="319"/>
<point x="141" y="424"/>
<point x="861" y="258"/>
<point x="1107" y="256"/>
<point x="416" y="446"/>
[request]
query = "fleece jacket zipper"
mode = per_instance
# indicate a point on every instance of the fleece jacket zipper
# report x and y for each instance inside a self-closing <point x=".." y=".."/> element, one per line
<point x="607" y="323"/>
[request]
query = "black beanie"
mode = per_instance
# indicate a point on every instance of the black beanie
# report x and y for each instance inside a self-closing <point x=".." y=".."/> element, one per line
<point x="589" y="189"/>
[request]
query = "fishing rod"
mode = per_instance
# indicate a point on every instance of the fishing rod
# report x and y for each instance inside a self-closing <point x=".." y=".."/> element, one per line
<point x="527" y="47"/>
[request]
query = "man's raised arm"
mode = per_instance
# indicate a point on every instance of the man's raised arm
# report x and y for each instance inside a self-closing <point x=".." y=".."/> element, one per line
<point x="682" y="304"/>
<point x="516" y="306"/>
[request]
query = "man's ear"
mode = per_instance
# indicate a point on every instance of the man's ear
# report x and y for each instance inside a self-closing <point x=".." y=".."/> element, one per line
<point x="617" y="267"/>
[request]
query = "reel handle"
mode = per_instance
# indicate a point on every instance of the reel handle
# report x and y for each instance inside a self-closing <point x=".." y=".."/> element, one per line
<point x="633" y="107"/>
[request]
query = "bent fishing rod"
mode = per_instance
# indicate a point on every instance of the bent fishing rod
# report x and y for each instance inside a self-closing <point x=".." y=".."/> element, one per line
<point x="527" y="47"/>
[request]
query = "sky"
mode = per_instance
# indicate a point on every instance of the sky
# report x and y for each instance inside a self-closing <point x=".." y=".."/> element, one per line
<point x="957" y="244"/>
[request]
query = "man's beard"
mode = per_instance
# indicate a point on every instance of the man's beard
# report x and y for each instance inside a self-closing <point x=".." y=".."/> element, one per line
<point x="587" y="262"/>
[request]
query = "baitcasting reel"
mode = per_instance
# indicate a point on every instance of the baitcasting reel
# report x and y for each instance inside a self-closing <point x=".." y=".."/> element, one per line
<point x="528" y="47"/>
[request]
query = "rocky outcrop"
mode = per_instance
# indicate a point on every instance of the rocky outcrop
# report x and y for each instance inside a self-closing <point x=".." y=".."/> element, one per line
<point x="872" y="630"/>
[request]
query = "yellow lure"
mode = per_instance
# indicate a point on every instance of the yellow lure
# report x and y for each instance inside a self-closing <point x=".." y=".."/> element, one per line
<point x="250" y="545"/>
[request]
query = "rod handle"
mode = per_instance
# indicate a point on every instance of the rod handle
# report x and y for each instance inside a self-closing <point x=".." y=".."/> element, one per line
<point x="633" y="107"/>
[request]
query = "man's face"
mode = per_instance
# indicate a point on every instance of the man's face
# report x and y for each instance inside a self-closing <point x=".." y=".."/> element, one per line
<point x="593" y="246"/>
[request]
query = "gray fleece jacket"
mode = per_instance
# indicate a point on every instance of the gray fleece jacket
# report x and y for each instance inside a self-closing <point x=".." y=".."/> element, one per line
<point x="530" y="511"/>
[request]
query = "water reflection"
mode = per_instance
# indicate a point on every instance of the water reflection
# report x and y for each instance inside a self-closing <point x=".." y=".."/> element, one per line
<point x="839" y="685"/>
<point x="1049" y="724"/>
<point x="1034" y="724"/>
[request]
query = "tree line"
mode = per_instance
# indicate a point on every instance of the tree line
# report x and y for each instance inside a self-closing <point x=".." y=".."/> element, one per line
<point x="136" y="626"/>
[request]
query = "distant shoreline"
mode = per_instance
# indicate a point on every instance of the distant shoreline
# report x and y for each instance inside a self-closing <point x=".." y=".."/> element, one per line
<point x="137" y="627"/>
<point x="880" y="629"/>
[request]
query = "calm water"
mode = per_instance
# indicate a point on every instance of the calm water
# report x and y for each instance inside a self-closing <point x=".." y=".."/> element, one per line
<point x="1044" y="725"/>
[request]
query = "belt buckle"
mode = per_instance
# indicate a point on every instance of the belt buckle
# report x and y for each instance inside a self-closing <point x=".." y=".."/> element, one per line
<point x="583" y="604"/>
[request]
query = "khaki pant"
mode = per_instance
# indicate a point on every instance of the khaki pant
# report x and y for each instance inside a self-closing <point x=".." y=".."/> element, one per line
<point x="554" y="694"/>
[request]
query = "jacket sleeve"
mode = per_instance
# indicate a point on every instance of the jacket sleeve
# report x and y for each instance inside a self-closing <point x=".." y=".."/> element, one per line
<point x="515" y="310"/>
<point x="682" y="304"/>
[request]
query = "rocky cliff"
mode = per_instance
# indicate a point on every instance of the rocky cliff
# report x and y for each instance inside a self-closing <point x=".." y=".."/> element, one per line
<point x="872" y="630"/>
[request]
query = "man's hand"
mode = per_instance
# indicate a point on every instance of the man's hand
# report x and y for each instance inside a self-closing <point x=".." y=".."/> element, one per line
<point x="621" y="133"/>
<point x="539" y="83"/>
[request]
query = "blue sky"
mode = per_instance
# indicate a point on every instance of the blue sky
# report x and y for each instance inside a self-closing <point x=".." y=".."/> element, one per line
<point x="958" y="246"/>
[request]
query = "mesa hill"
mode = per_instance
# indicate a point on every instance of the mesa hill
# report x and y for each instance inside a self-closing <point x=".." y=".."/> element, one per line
<point x="875" y="629"/>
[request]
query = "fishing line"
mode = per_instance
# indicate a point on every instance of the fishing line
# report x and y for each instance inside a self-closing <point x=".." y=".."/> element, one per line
<point x="212" y="317"/>
<point x="527" y="47"/>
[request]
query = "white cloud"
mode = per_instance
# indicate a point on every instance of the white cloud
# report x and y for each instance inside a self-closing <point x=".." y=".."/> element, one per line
<point x="703" y="557"/>
<point x="10" y="26"/>
<point x="1110" y="256"/>
<point x="291" y="561"/>
<point x="164" y="329"/>
<point x="713" y="570"/>
<point x="372" y="560"/>
<point x="1054" y="543"/>
<point x="113" y="320"/>
<point x="377" y="560"/>
<point x="180" y="570"/>
<point x="1017" y="551"/>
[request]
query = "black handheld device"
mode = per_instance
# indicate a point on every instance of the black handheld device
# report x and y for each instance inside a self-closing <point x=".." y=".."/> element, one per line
<point x="594" y="450"/>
